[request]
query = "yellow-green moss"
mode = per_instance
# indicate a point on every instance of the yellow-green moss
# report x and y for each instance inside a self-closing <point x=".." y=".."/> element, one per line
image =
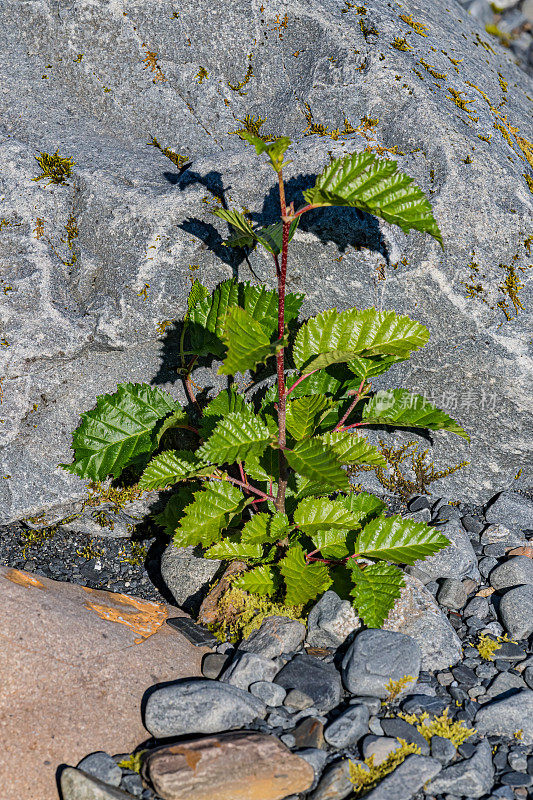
<point x="252" y="124"/>
<point x="440" y="76"/>
<point x="400" y="43"/>
<point x="416" y="26"/>
<point x="241" y="613"/>
<point x="238" y="87"/>
<point x="54" y="167"/>
<point x="455" y="731"/>
<point x="395" y="688"/>
<point x="90" y="550"/>
<point x="176" y="158"/>
<point x="136" y="556"/>
<point x="201" y="75"/>
<point x="488" y="646"/>
<point x="133" y="762"/>
<point x="396" y="479"/>
<point x="366" y="776"/>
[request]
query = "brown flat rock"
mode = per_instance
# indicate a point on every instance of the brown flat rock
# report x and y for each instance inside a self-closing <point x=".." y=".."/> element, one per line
<point x="230" y="766"/>
<point x="75" y="663"/>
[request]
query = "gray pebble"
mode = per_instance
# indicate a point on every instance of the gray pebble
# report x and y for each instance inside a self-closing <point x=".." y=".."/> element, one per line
<point x="276" y="635"/>
<point x="102" y="766"/>
<point x="452" y="594"/>
<point x="297" y="699"/>
<point x="199" y="706"/>
<point x="510" y="508"/>
<point x="514" y="571"/>
<point x="246" y="668"/>
<point x="348" y="728"/>
<point x="376" y="657"/>
<point x="269" y="693"/>
<point x="442" y="749"/>
<point x="515" y="611"/>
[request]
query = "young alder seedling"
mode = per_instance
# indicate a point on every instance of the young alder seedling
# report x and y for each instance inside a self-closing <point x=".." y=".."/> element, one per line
<point x="266" y="484"/>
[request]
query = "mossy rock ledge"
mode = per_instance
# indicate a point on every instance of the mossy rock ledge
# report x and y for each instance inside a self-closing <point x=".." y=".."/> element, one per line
<point x="94" y="268"/>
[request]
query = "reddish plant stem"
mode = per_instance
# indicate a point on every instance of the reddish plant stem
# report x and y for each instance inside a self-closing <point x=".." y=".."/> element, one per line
<point x="300" y="379"/>
<point x="188" y="384"/>
<point x="351" y="408"/>
<point x="355" y="425"/>
<point x="301" y="211"/>
<point x="246" y="486"/>
<point x="281" y="272"/>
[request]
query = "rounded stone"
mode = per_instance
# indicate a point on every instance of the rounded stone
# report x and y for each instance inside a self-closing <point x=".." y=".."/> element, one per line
<point x="516" y="571"/>
<point x="348" y="728"/>
<point x="199" y="706"/>
<point x="515" y="611"/>
<point x="101" y="766"/>
<point x="377" y="657"/>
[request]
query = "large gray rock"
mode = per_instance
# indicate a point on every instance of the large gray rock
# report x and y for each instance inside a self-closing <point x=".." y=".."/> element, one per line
<point x="187" y="576"/>
<point x="456" y="560"/>
<point x="74" y="329"/>
<point x="472" y="777"/>
<point x="510" y="508"/>
<point x="199" y="706"/>
<point x="515" y="611"/>
<point x="507" y="716"/>
<point x="377" y="657"/>
<point x="417" y="614"/>
<point x="512" y="572"/>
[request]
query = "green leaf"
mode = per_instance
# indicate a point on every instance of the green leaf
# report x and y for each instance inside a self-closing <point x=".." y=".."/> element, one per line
<point x="238" y="435"/>
<point x="233" y="548"/>
<point x="313" y="460"/>
<point x="262" y="304"/>
<point x="264" y="528"/>
<point x="176" y="420"/>
<point x="402" y="409"/>
<point x="403" y="541"/>
<point x="208" y="318"/>
<point x="334" y="544"/>
<point x="262" y="581"/>
<point x="170" y="467"/>
<point x="315" y="514"/>
<point x="364" y="506"/>
<point x="265" y="468"/>
<point x="366" y="368"/>
<point x="333" y="337"/>
<point x="121" y="427"/>
<point x="302" y="415"/>
<point x="173" y="511"/>
<point x="377" y="587"/>
<point x="198" y="293"/>
<point x="271" y="236"/>
<point x="274" y="150"/>
<point x="374" y="185"/>
<point x="247" y="343"/>
<point x="334" y="382"/>
<point x="352" y="448"/>
<point x="244" y="235"/>
<point x="223" y="404"/>
<point x="304" y="581"/>
<point x="214" y="507"/>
